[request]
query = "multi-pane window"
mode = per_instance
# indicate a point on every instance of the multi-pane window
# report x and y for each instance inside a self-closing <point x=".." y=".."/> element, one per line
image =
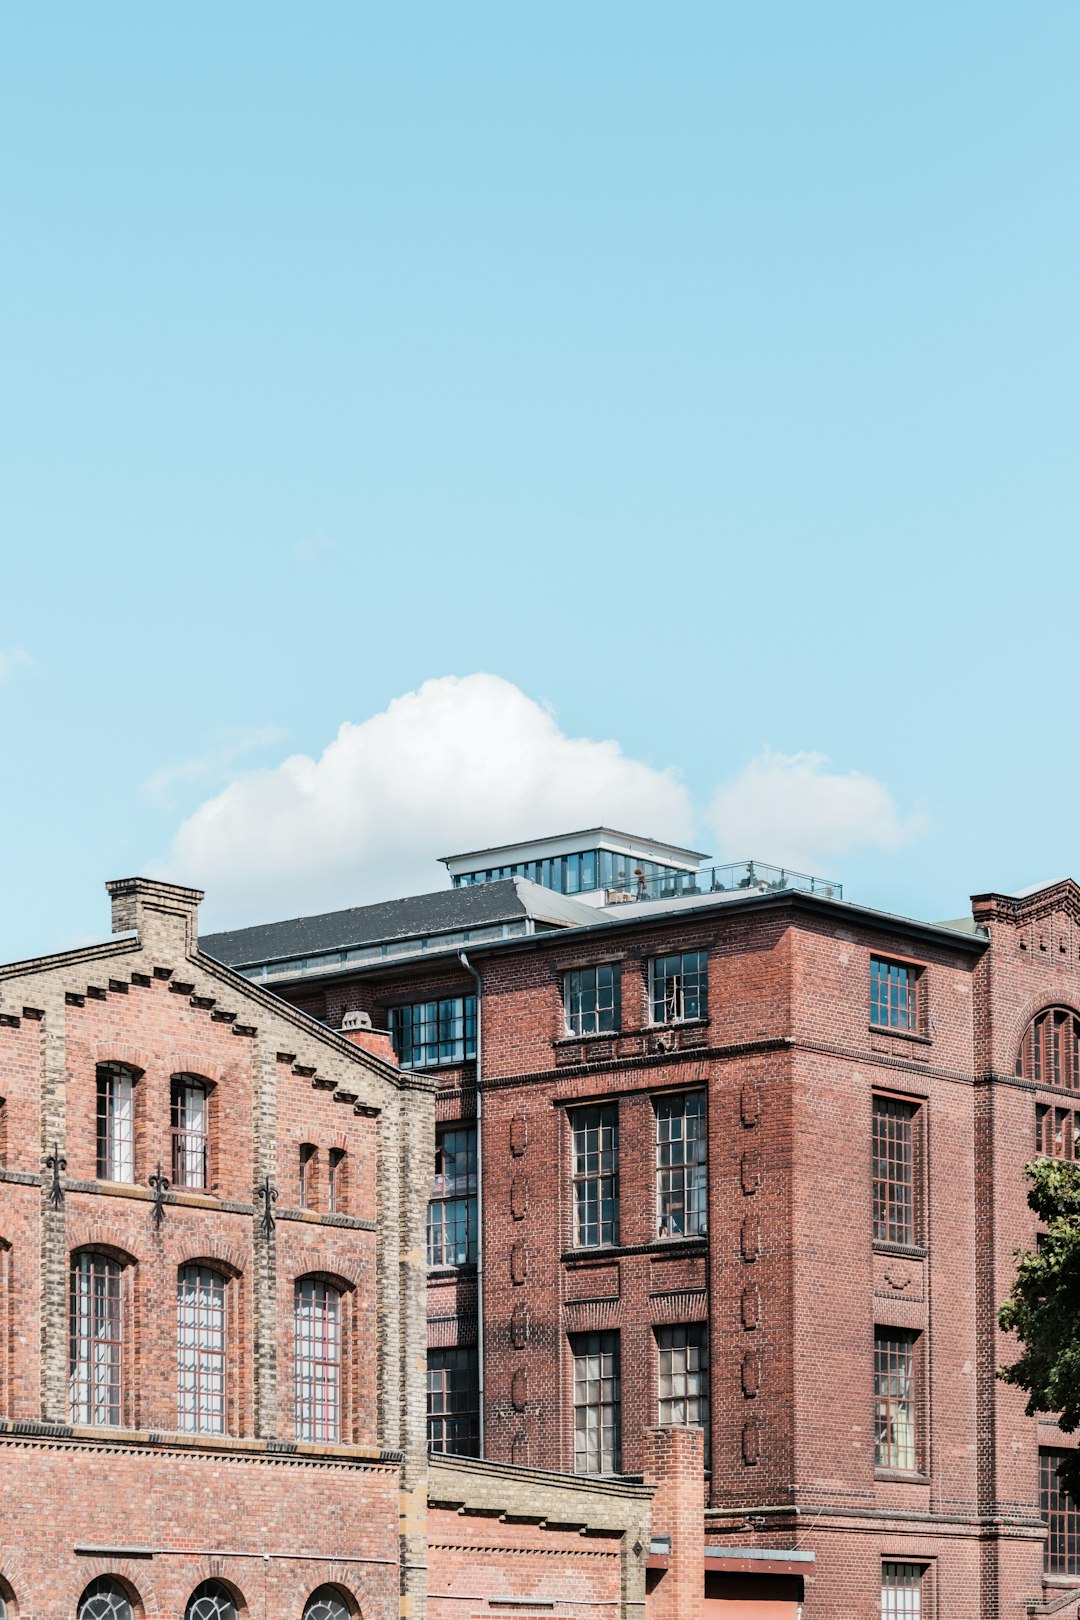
<point x="211" y="1601"/>
<point x="591" y="997"/>
<point x="596" y="1175"/>
<point x="1062" y="1517"/>
<point x="200" y="1350"/>
<point x="894" y="1399"/>
<point x="95" y="1341"/>
<point x="597" y="1404"/>
<point x="1050" y="1050"/>
<point x="894" y="1147"/>
<point x="683" y="1376"/>
<point x="115" y="1122"/>
<point x="317" y="1338"/>
<point x="190" y="1132"/>
<point x="432" y="1032"/>
<point x="901" y="1591"/>
<point x="1057" y="1132"/>
<point x="680" y="1165"/>
<point x="893" y="994"/>
<point x="105" y="1599"/>
<point x="308" y="1151"/>
<point x="326" y="1603"/>
<point x="677" y="986"/>
<point x="451" y="1226"/>
<point x="453" y="1401"/>
<point x="335" y="1181"/>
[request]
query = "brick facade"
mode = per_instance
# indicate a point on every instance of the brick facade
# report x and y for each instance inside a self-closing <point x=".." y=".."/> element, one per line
<point x="313" y="1170"/>
<point x="788" y="1282"/>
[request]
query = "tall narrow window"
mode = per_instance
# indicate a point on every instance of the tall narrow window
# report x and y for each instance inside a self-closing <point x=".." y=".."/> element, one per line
<point x="680" y="1165"/>
<point x="318" y="1360"/>
<point x="308" y="1151"/>
<point x="592" y="999"/>
<point x="427" y="1033"/>
<point x="1062" y="1517"/>
<point x="893" y="994"/>
<point x="200" y="1358"/>
<point x="683" y="1376"/>
<point x="596" y="1175"/>
<point x="452" y="1209"/>
<point x="677" y="986"/>
<point x="894" y="1400"/>
<point x="115" y="1122"/>
<point x="335" y="1181"/>
<point x="894" y="1170"/>
<point x="95" y="1339"/>
<point x="597" y="1404"/>
<point x="901" y="1591"/>
<point x="453" y="1401"/>
<point x="190" y="1103"/>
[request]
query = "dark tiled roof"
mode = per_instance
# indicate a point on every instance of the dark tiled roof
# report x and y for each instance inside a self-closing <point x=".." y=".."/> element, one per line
<point x="413" y="916"/>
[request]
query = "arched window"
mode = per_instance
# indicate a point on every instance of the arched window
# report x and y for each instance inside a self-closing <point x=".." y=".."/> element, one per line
<point x="327" y="1603"/>
<point x="1050" y="1050"/>
<point x="211" y="1601"/>
<point x="105" y="1599"/>
<point x="200" y="1350"/>
<point x="96" y="1342"/>
<point x="115" y="1122"/>
<point x="317" y="1351"/>
<point x="190" y="1131"/>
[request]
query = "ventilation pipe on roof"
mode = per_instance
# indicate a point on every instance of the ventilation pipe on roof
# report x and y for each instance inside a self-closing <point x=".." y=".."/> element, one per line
<point x="467" y="965"/>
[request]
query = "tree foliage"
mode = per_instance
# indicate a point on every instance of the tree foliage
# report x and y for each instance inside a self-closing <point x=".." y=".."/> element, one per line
<point x="1043" y="1307"/>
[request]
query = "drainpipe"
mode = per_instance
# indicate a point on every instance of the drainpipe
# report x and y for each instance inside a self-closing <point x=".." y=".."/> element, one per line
<point x="467" y="965"/>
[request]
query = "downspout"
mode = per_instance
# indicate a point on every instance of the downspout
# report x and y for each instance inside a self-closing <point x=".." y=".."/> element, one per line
<point x="467" y="965"/>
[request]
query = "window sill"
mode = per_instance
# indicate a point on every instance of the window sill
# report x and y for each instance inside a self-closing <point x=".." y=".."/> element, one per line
<point x="676" y="1023"/>
<point x="909" y="1251"/>
<point x="566" y="1039"/>
<point x="901" y="1476"/>
<point x="450" y="1273"/>
<point x="898" y="1034"/>
<point x="613" y="1251"/>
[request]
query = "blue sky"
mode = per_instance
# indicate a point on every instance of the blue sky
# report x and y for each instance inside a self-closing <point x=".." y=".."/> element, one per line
<point x="707" y="372"/>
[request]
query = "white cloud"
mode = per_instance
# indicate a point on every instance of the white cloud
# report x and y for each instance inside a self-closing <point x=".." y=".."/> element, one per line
<point x="461" y="763"/>
<point x="17" y="658"/>
<point x="791" y="810"/>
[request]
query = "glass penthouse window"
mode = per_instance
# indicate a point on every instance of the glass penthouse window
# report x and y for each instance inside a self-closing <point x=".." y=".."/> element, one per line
<point x="583" y="871"/>
<point x="427" y="1033"/>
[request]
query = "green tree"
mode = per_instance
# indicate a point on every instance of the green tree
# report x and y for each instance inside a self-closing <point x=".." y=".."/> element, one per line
<point x="1043" y="1307"/>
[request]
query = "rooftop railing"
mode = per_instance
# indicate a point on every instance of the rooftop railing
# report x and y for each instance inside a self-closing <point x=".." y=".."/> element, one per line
<point x="752" y="877"/>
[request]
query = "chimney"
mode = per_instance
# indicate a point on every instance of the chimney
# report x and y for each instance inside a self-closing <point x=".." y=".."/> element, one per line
<point x="164" y="915"/>
<point x="357" y="1027"/>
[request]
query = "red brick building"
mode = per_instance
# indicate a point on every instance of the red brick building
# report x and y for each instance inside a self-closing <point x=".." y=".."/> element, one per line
<point x="723" y="1149"/>
<point x="212" y="1319"/>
